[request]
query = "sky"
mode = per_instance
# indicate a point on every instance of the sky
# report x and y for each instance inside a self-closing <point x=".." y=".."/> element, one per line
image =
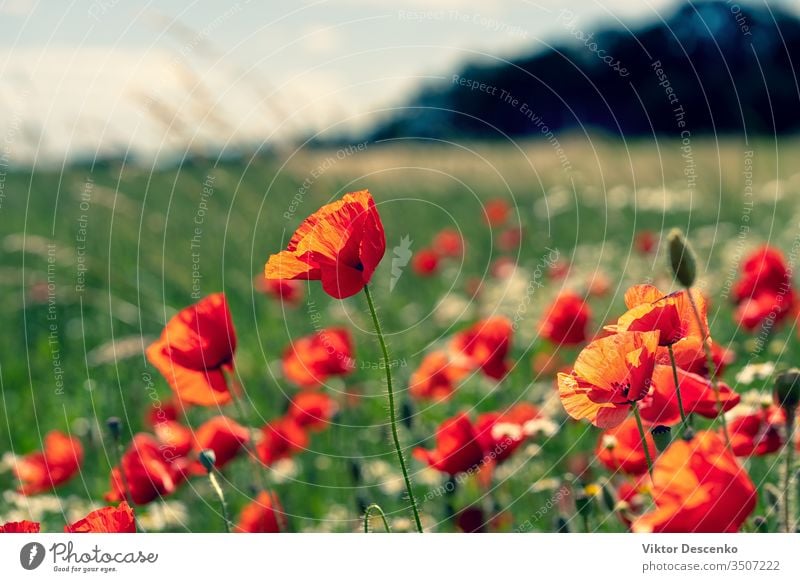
<point x="80" y="78"/>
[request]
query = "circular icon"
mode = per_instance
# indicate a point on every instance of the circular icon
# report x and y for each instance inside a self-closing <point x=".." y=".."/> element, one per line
<point x="31" y="555"/>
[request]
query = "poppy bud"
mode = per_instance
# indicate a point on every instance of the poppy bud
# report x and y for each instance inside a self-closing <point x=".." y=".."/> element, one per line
<point x="688" y="434"/>
<point x="406" y="414"/>
<point x="787" y="390"/>
<point x="114" y="425"/>
<point x="207" y="458"/>
<point x="661" y="437"/>
<point x="681" y="258"/>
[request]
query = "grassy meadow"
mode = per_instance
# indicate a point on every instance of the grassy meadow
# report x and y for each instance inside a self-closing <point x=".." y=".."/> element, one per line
<point x="95" y="260"/>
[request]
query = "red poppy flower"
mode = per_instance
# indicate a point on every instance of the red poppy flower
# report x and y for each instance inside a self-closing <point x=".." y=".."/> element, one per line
<point x="149" y="474"/>
<point x="312" y="410"/>
<point x="698" y="486"/>
<point x="448" y="243"/>
<point x="263" y="515"/>
<point x="280" y="439"/>
<point x="660" y="406"/>
<point x="485" y="346"/>
<point x="566" y="320"/>
<point x="620" y="448"/>
<point x="757" y="433"/>
<point x="176" y="440"/>
<point x="500" y="434"/>
<point x="340" y="244"/>
<point x="194" y="351"/>
<point x="165" y="411"/>
<point x="503" y="267"/>
<point x="510" y="239"/>
<point x="650" y="310"/>
<point x="57" y="464"/>
<point x="106" y="520"/>
<point x="496" y="212"/>
<point x="691" y="356"/>
<point x="309" y="361"/>
<point x="764" y="290"/>
<point x="645" y="241"/>
<point x="284" y="290"/>
<point x="457" y="447"/>
<point x="425" y="262"/>
<point x="471" y="520"/>
<point x="609" y="374"/>
<point x="224" y="436"/>
<point x="23" y="526"/>
<point x="436" y="378"/>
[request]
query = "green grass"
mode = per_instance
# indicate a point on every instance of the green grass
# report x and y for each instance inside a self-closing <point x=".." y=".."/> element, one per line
<point x="138" y="227"/>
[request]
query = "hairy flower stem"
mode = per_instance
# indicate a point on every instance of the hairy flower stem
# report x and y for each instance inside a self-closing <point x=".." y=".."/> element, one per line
<point x="684" y="419"/>
<point x="639" y="424"/>
<point x="712" y="369"/>
<point x="221" y="496"/>
<point x="392" y="411"/>
<point x="789" y="485"/>
<point x="367" y="514"/>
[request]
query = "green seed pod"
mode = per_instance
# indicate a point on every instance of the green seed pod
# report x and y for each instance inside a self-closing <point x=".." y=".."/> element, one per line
<point x="661" y="437"/>
<point x="681" y="258"/>
<point x="787" y="389"/>
<point x="114" y="425"/>
<point x="207" y="458"/>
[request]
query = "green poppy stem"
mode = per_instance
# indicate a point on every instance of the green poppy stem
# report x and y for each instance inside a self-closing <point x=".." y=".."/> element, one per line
<point x="221" y="496"/>
<point x="789" y="486"/>
<point x="639" y="424"/>
<point x="684" y="419"/>
<point x="392" y="411"/>
<point x="367" y="515"/>
<point x="712" y="369"/>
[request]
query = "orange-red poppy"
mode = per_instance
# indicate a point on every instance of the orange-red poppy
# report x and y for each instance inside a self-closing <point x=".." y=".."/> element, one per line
<point x="660" y="406"/>
<point x="425" y="262"/>
<point x="496" y="212"/>
<point x="764" y="289"/>
<point x="176" y="439"/>
<point x="286" y="291"/>
<point x="436" y="378"/>
<point x="757" y="433"/>
<point x="457" y="447"/>
<point x="195" y="350"/>
<point x="106" y="520"/>
<point x="163" y="411"/>
<point x="309" y="361"/>
<point x="609" y="374"/>
<point x="280" y="439"/>
<point x="448" y="243"/>
<point x="23" y="526"/>
<point x="312" y="410"/>
<point x="340" y="244"/>
<point x="485" y="346"/>
<point x="698" y="486"/>
<point x="620" y="448"/>
<point x="57" y="464"/>
<point x="149" y="473"/>
<point x="501" y="433"/>
<point x="262" y="515"/>
<point x="224" y="436"/>
<point x="650" y="310"/>
<point x="645" y="241"/>
<point x="566" y="320"/>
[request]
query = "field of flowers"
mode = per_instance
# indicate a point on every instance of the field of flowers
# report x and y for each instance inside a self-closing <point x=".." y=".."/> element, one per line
<point x="196" y="349"/>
